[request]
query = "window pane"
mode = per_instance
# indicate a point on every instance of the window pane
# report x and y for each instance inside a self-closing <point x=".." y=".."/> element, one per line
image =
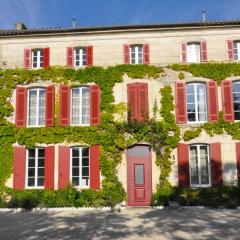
<point x="204" y="165"/>
<point x="75" y="181"/>
<point x="194" y="165"/>
<point x="75" y="152"/>
<point x="41" y="162"/>
<point x="85" y="182"/>
<point x="190" y="88"/>
<point x="31" y="182"/>
<point x="85" y="162"/>
<point x="85" y="152"/>
<point x="191" y="117"/>
<point x="41" y="152"/>
<point x="31" y="172"/>
<point x="31" y="162"/>
<point x="139" y="174"/>
<point x="31" y="153"/>
<point x="75" y="171"/>
<point x="85" y="171"/>
<point x="138" y="151"/>
<point x="40" y="182"/>
<point x="75" y="161"/>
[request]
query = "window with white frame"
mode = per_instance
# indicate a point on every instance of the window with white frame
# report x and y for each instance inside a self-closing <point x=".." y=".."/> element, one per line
<point x="236" y="100"/>
<point x="35" y="168"/>
<point x="136" y="52"/>
<point x="199" y="165"/>
<point x="80" y="167"/>
<point x="36" y="107"/>
<point x="236" y="50"/>
<point x="193" y="52"/>
<point x="37" y="58"/>
<point x="196" y="102"/>
<point x="80" y="57"/>
<point x="80" y="106"/>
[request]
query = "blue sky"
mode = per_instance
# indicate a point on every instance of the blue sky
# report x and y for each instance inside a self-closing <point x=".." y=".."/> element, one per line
<point x="58" y="13"/>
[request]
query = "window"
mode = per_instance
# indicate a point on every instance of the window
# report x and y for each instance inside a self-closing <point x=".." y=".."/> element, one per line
<point x="236" y="50"/>
<point x="196" y="102"/>
<point x="80" y="166"/>
<point x="80" y="109"/>
<point x="35" y="168"/>
<point x="80" y="57"/>
<point x="136" y="54"/>
<point x="36" y="107"/>
<point x="37" y="58"/>
<point x="236" y="100"/>
<point x="193" y="52"/>
<point x="199" y="165"/>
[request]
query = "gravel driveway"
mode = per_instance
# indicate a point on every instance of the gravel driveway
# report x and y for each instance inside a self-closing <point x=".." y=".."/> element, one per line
<point x="132" y="223"/>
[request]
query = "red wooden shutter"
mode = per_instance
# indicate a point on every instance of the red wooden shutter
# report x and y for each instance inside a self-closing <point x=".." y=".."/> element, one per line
<point x="27" y="58"/>
<point x="50" y="103"/>
<point x="203" y="48"/>
<point x="89" y="55"/>
<point x="64" y="108"/>
<point x="21" y="107"/>
<point x="230" y="49"/>
<point x="49" y="167"/>
<point x="212" y="93"/>
<point x="238" y="160"/>
<point x="63" y="167"/>
<point x="70" y="51"/>
<point x="146" y="59"/>
<point x="19" y="167"/>
<point x="142" y="101"/>
<point x="227" y="100"/>
<point x="94" y="105"/>
<point x="184" y="52"/>
<point x="95" y="167"/>
<point x="126" y="54"/>
<point x="216" y="164"/>
<point x="180" y="102"/>
<point x="132" y="90"/>
<point x="183" y="165"/>
<point x="46" y="57"/>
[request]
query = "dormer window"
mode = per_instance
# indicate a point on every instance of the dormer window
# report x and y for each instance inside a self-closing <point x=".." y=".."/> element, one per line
<point x="136" y="54"/>
<point x="37" y="58"/>
<point x="80" y="57"/>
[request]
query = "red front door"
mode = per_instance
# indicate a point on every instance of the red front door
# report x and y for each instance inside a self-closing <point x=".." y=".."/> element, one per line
<point x="139" y="176"/>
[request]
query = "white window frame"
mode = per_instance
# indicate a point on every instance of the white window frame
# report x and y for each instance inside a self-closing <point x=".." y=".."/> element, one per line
<point x="81" y="124"/>
<point x="80" y="57"/>
<point x="196" y="104"/>
<point x="38" y="89"/>
<point x="136" y="48"/>
<point x="80" y="167"/>
<point x="236" y="49"/>
<point x="36" y="169"/>
<point x="199" y="167"/>
<point x="194" y="45"/>
<point x="235" y="120"/>
<point x="39" y="51"/>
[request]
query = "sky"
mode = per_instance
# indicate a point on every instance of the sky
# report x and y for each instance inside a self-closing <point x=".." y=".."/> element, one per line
<point x="59" y="13"/>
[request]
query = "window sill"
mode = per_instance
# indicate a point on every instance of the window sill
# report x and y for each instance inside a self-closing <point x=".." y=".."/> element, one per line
<point x="201" y="186"/>
<point x="40" y="188"/>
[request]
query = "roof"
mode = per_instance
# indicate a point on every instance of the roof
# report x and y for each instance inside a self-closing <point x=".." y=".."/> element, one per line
<point x="59" y="30"/>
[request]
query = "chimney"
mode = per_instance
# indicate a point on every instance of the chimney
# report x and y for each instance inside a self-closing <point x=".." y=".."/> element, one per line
<point x="203" y="15"/>
<point x="20" y="26"/>
<point x="73" y="22"/>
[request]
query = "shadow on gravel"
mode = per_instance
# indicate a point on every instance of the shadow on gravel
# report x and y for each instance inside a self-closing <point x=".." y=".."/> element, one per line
<point x="130" y="224"/>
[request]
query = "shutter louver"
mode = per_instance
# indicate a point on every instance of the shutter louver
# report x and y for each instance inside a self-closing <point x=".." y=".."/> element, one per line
<point x="183" y="165"/>
<point x="64" y="105"/>
<point x="180" y="102"/>
<point x="212" y="92"/>
<point x="142" y="102"/>
<point x="132" y="90"/>
<point x="95" y="167"/>
<point x="227" y="100"/>
<point x="63" y="167"/>
<point x="49" y="167"/>
<point x="50" y="105"/>
<point x="203" y="48"/>
<point x="94" y="105"/>
<point x="184" y="52"/>
<point x="19" y="167"/>
<point x="46" y="57"/>
<point x="70" y="57"/>
<point x="230" y="49"/>
<point x="27" y="58"/>
<point x="238" y="161"/>
<point x="89" y="55"/>
<point x="21" y="107"/>
<point x="216" y="164"/>
<point x="146" y="54"/>
<point x="126" y="54"/>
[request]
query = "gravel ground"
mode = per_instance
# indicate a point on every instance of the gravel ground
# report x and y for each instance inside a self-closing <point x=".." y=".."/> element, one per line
<point x="131" y="223"/>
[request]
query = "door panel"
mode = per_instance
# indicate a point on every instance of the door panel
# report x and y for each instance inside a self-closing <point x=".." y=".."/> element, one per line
<point x="139" y="176"/>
